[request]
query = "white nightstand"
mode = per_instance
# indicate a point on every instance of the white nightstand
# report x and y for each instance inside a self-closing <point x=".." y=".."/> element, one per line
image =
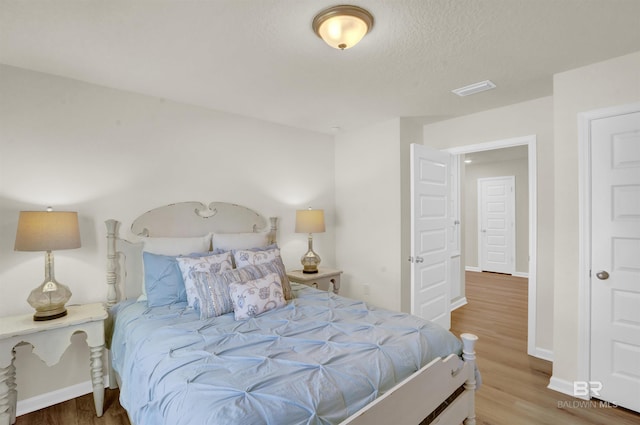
<point x="50" y="339"/>
<point x="325" y="279"/>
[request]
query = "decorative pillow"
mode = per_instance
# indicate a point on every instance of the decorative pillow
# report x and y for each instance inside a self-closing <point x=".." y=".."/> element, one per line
<point x="229" y="241"/>
<point x="256" y="296"/>
<point x="247" y="257"/>
<point x="173" y="247"/>
<point x="213" y="297"/>
<point x="211" y="264"/>
<point x="162" y="280"/>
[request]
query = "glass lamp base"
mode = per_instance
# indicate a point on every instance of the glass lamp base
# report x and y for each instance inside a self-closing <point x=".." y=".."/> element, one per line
<point x="310" y="262"/>
<point x="49" y="299"/>
<point x="41" y="316"/>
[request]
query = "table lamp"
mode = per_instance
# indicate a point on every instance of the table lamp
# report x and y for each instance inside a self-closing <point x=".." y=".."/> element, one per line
<point x="48" y="231"/>
<point x="310" y="221"/>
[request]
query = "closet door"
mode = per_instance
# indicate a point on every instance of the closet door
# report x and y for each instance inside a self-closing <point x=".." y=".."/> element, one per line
<point x="615" y="253"/>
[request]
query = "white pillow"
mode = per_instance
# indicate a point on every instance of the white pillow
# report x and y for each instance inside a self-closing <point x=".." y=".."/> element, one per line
<point x="229" y="241"/>
<point x="256" y="296"/>
<point x="173" y="246"/>
<point x="177" y="246"/>
<point x="212" y="264"/>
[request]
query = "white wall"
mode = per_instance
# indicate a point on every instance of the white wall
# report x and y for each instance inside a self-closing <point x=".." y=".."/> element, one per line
<point x="112" y="154"/>
<point x="368" y="213"/>
<point x="534" y="117"/>
<point x="517" y="168"/>
<point x="605" y="84"/>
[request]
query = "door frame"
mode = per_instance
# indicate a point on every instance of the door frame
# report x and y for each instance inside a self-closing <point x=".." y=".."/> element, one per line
<point x="584" y="225"/>
<point x="530" y="142"/>
<point x="512" y="205"/>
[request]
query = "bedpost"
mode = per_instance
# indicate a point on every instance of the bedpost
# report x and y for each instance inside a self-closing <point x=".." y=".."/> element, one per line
<point x="112" y="263"/>
<point x="272" y="231"/>
<point x="469" y="356"/>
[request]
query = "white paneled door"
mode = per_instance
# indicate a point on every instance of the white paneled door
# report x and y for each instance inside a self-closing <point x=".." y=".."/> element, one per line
<point x="615" y="259"/>
<point x="430" y="257"/>
<point x="496" y="224"/>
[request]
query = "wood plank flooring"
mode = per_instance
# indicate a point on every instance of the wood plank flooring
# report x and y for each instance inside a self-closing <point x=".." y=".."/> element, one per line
<point x="79" y="411"/>
<point x="514" y="389"/>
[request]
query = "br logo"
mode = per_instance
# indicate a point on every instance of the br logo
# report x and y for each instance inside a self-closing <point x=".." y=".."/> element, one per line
<point x="587" y="388"/>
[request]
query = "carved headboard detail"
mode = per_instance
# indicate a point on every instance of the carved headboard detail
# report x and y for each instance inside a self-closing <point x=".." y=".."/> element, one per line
<point x="183" y="219"/>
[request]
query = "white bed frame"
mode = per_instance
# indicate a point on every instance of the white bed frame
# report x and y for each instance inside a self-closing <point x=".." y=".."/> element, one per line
<point x="408" y="403"/>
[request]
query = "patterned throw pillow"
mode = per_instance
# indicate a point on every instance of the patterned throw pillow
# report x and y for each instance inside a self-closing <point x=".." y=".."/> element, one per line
<point x="211" y="264"/>
<point x="256" y="296"/>
<point x="213" y="297"/>
<point x="245" y="258"/>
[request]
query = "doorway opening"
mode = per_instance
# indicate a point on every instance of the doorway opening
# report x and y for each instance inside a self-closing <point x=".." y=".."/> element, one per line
<point x="531" y="223"/>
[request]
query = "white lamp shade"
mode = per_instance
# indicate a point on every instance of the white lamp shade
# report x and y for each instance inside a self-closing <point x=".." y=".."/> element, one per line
<point x="47" y="231"/>
<point x="310" y="221"/>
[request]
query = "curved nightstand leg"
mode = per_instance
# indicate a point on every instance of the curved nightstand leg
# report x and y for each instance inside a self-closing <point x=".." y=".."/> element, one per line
<point x="8" y="393"/>
<point x="97" y="378"/>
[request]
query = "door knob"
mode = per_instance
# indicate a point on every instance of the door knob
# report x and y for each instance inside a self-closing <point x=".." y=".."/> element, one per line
<point x="602" y="275"/>
<point x="419" y="259"/>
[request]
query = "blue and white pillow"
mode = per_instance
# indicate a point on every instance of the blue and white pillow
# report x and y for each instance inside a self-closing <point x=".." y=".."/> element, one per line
<point x="246" y="257"/>
<point x="211" y="264"/>
<point x="256" y="296"/>
<point x="213" y="297"/>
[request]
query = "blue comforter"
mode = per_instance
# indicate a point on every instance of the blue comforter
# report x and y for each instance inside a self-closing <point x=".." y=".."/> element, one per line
<point x="317" y="360"/>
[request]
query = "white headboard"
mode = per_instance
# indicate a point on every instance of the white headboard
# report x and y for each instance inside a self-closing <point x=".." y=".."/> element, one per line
<point x="183" y="219"/>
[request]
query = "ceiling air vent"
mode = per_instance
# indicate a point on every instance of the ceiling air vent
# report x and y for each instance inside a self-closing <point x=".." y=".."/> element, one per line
<point x="474" y="88"/>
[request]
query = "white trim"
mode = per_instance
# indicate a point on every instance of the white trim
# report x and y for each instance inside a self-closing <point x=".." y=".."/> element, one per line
<point x="479" y="270"/>
<point x="459" y="302"/>
<point x="530" y="141"/>
<point x="544" y="354"/>
<point x="584" y="225"/>
<point x="41" y="401"/>
<point x="562" y="386"/>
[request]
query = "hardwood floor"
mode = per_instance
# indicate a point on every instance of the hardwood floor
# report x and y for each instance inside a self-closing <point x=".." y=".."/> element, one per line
<point x="514" y="389"/>
<point x="79" y="411"/>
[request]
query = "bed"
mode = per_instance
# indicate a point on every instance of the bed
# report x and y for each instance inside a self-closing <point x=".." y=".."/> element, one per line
<point x="314" y="358"/>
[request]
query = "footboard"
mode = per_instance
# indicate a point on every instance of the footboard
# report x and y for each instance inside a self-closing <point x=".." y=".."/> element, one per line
<point x="424" y="392"/>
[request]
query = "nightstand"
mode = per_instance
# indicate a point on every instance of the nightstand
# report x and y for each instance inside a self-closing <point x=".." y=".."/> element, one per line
<point x="49" y="340"/>
<point x="325" y="279"/>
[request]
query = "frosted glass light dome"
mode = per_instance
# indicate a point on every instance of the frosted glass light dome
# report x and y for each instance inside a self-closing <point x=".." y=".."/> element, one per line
<point x="342" y="27"/>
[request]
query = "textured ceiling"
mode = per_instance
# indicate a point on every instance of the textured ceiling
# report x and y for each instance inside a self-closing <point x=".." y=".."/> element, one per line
<point x="260" y="58"/>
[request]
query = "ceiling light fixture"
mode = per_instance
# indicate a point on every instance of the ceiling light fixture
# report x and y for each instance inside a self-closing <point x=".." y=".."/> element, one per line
<point x="342" y="27"/>
<point x="474" y="88"/>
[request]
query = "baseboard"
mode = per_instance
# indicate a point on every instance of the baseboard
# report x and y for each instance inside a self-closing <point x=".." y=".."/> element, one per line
<point x="54" y="397"/>
<point x="479" y="270"/>
<point x="562" y="386"/>
<point x="542" y="353"/>
<point x="458" y="303"/>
